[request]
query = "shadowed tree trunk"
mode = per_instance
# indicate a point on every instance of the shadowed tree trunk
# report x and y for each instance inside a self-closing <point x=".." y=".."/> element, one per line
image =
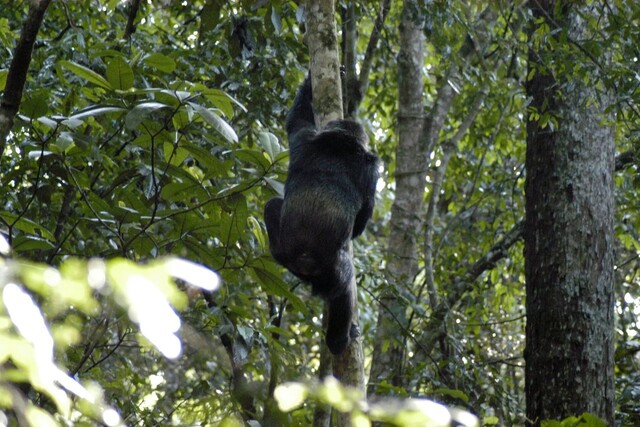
<point x="17" y="77"/>
<point x="568" y="227"/>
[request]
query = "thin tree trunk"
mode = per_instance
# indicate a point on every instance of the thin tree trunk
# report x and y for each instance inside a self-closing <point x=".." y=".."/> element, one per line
<point x="348" y="367"/>
<point x="418" y="135"/>
<point x="10" y="103"/>
<point x="134" y="6"/>
<point x="568" y="228"/>
<point x="325" y="66"/>
<point x="349" y="41"/>
<point x="411" y="170"/>
<point x="372" y="45"/>
<point x="356" y="85"/>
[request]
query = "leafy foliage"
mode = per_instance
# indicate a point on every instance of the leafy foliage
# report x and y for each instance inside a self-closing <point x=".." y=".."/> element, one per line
<point x="169" y="142"/>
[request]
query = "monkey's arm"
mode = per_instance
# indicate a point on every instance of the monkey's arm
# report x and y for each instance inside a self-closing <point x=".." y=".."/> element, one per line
<point x="300" y="115"/>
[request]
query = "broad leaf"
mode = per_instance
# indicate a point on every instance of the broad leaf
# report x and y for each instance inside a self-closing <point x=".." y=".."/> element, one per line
<point x="87" y="74"/>
<point x="119" y="73"/>
<point x="216" y="122"/>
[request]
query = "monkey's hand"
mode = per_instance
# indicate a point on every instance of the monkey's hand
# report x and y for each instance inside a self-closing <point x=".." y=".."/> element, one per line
<point x="355" y="331"/>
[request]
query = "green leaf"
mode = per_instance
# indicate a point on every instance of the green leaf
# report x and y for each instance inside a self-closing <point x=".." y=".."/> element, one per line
<point x="35" y="104"/>
<point x="26" y="225"/>
<point x="490" y="421"/>
<point x="258" y="232"/>
<point x="95" y="110"/>
<point x="119" y="73"/>
<point x="272" y="283"/>
<point x="48" y="122"/>
<point x="205" y="158"/>
<point x="181" y="96"/>
<point x="234" y="189"/>
<point x="210" y="15"/>
<point x="590" y="420"/>
<point x="290" y="395"/>
<point x="233" y="224"/>
<point x="140" y="111"/>
<point x="174" y="155"/>
<point x="216" y="122"/>
<point x="87" y="74"/>
<point x="221" y="100"/>
<point x="254" y="157"/>
<point x="63" y="142"/>
<point x="216" y="94"/>
<point x="160" y="62"/>
<point x="276" y="20"/>
<point x="24" y="243"/>
<point x="183" y="192"/>
<point x="3" y="78"/>
<point x="270" y="143"/>
<point x="452" y="393"/>
<point x="182" y="118"/>
<point x="276" y="185"/>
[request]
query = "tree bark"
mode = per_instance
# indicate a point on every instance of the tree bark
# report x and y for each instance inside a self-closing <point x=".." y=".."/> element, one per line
<point x="411" y="170"/>
<point x="18" y="69"/>
<point x="568" y="227"/>
<point x="134" y="6"/>
<point x="357" y="84"/>
<point x="372" y="45"/>
<point x="325" y="66"/>
<point x="418" y="135"/>
<point x="349" y="41"/>
<point x="348" y="367"/>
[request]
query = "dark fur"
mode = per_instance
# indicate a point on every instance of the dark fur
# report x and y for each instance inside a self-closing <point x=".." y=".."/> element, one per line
<point x="329" y="198"/>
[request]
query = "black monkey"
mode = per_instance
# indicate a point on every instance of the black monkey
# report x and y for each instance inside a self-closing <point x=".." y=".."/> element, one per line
<point x="328" y="199"/>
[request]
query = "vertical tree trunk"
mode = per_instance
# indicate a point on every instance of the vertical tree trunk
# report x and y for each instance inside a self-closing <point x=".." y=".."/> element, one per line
<point x="17" y="77"/>
<point x="411" y="169"/>
<point x="348" y="367"/>
<point x="134" y="7"/>
<point x="568" y="228"/>
<point x="325" y="66"/>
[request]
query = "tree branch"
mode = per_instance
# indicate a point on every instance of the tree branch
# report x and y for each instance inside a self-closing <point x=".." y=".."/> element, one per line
<point x="372" y="45"/>
<point x="134" y="6"/>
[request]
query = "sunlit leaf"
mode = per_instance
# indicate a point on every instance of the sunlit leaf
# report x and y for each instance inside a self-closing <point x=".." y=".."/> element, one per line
<point x="290" y="396"/>
<point x="192" y="273"/>
<point x="3" y="78"/>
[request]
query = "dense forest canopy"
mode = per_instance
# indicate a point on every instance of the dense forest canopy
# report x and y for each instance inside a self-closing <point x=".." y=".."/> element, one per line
<point x="141" y="140"/>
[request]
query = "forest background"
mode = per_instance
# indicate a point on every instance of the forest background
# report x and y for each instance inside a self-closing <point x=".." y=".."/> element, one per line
<point x="148" y="131"/>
